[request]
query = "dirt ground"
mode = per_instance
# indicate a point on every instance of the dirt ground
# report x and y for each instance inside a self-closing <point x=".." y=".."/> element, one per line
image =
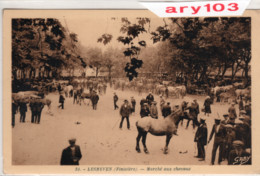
<point x="98" y="135"/>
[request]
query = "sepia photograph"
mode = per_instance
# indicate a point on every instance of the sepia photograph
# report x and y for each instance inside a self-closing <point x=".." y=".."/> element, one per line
<point x="125" y="89"/>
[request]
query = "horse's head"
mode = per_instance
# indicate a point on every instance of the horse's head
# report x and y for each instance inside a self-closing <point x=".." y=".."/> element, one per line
<point x="176" y="116"/>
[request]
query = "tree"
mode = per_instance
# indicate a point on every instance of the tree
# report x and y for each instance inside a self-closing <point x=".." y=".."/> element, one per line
<point x="42" y="45"/>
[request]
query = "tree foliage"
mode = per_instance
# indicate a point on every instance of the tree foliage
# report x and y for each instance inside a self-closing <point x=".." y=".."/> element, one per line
<point x="43" y="45"/>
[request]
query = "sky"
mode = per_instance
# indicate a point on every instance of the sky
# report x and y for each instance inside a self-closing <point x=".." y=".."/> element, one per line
<point x="89" y="28"/>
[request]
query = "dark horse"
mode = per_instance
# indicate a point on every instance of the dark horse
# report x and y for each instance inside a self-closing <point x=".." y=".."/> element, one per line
<point x="158" y="127"/>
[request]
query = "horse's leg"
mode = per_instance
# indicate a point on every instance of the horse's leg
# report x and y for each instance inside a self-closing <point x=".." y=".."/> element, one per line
<point x="168" y="138"/>
<point x="144" y="142"/>
<point x="137" y="141"/>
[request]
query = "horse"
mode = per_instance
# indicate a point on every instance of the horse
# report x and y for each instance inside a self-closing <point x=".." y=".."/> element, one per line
<point x="158" y="127"/>
<point x="85" y="95"/>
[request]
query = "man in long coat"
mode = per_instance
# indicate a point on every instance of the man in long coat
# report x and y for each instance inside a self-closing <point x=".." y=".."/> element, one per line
<point x="220" y="133"/>
<point x="94" y="100"/>
<point x="150" y="98"/>
<point x="125" y="112"/>
<point x="71" y="155"/>
<point x="23" y="110"/>
<point x="201" y="137"/>
<point x="115" y="101"/>
<point x="39" y="106"/>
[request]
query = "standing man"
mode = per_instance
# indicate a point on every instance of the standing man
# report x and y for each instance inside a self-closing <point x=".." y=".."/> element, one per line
<point x="232" y="111"/>
<point x="125" y="111"/>
<point x="14" y="110"/>
<point x="75" y="96"/>
<point x="197" y="109"/>
<point x="166" y="110"/>
<point x="220" y="133"/>
<point x="39" y="106"/>
<point x="192" y="115"/>
<point x="71" y="155"/>
<point x="23" y="110"/>
<point x="207" y="104"/>
<point x="150" y="98"/>
<point x="201" y="137"/>
<point x="162" y="102"/>
<point x="33" y="110"/>
<point x="61" y="101"/>
<point x="94" y="100"/>
<point x="59" y="88"/>
<point x="115" y="101"/>
<point x="133" y="102"/>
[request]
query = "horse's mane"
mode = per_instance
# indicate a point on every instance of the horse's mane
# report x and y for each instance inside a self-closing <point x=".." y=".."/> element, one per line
<point x="175" y="115"/>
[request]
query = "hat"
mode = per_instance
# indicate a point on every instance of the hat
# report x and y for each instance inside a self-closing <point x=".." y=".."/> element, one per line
<point x="241" y="118"/>
<point x="242" y="112"/>
<point x="238" y="143"/>
<point x="72" y="139"/>
<point x="203" y="118"/>
<point x="229" y="126"/>
<point x="217" y="118"/>
<point x="225" y="115"/>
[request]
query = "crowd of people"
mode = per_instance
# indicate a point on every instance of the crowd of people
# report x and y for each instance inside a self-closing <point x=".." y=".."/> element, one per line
<point x="232" y="136"/>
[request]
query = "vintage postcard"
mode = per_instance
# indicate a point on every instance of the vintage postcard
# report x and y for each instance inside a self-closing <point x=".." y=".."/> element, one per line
<point x="127" y="92"/>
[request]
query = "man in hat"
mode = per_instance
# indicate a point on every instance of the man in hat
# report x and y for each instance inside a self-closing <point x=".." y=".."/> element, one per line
<point x="232" y="111"/>
<point x="94" y="100"/>
<point x="201" y="137"/>
<point x="219" y="130"/>
<point x="33" y="110"/>
<point x="145" y="111"/>
<point x="61" y="101"/>
<point x="248" y="109"/>
<point x="230" y="137"/>
<point x="39" y="106"/>
<point x="193" y="115"/>
<point x="115" y="101"/>
<point x="125" y="111"/>
<point x="14" y="110"/>
<point x="153" y="110"/>
<point x="71" y="155"/>
<point x="150" y="98"/>
<point x="162" y="102"/>
<point x="133" y="102"/>
<point x="23" y="110"/>
<point x="166" y="110"/>
<point x="243" y="131"/>
<point x="207" y="104"/>
<point x="238" y="156"/>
